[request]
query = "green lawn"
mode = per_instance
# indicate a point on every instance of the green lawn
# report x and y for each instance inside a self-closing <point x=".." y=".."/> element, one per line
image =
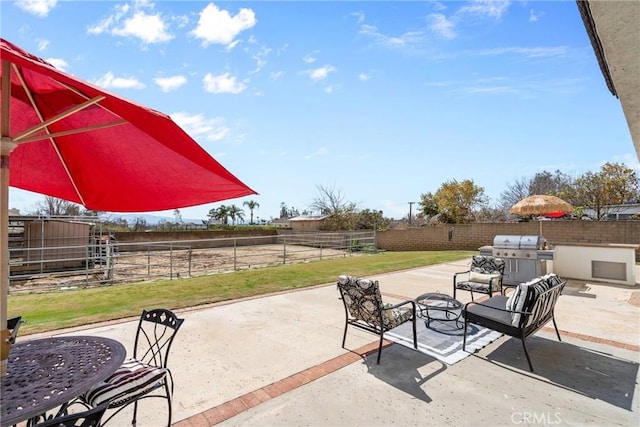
<point x="61" y="309"/>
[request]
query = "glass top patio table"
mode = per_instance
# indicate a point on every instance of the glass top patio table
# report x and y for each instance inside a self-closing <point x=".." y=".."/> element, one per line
<point x="43" y="374"/>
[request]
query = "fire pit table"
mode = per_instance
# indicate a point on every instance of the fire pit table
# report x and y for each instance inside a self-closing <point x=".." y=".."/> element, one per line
<point x="441" y="307"/>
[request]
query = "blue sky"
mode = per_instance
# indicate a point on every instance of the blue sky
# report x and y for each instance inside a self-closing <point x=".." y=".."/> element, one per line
<point x="382" y="101"/>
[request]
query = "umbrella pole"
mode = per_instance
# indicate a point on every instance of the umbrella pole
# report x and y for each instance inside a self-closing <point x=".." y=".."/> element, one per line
<point x="6" y="146"/>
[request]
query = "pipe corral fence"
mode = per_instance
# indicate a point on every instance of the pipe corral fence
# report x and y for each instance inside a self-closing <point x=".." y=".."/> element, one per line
<point x="94" y="258"/>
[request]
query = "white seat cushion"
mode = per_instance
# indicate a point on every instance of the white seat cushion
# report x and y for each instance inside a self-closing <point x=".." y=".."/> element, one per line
<point x="134" y="378"/>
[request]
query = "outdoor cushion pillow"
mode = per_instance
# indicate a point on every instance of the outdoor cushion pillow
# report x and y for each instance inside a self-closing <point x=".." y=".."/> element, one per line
<point x="132" y="379"/>
<point x="482" y="277"/>
<point x="521" y="300"/>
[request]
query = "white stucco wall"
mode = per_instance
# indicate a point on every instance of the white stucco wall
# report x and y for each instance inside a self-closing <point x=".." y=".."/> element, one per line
<point x="576" y="261"/>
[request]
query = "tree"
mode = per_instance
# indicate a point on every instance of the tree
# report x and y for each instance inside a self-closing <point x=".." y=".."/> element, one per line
<point x="515" y="192"/>
<point x="178" y="216"/>
<point x="140" y="224"/>
<point x="428" y="206"/>
<point x="52" y="206"/>
<point x="221" y="214"/>
<point x="234" y="213"/>
<point x="251" y="204"/>
<point x="553" y="184"/>
<point x="615" y="184"/>
<point x="456" y="201"/>
<point x="329" y="201"/>
<point x="370" y="220"/>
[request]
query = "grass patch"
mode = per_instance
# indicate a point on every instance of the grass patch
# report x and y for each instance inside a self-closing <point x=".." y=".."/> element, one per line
<point x="62" y="309"/>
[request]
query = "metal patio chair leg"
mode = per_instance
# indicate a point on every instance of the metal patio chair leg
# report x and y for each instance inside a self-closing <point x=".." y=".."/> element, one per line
<point x="526" y="353"/>
<point x="380" y="346"/>
<point x="556" y="327"/>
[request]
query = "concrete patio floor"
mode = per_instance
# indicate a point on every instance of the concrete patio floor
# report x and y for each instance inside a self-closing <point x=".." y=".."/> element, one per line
<point x="277" y="361"/>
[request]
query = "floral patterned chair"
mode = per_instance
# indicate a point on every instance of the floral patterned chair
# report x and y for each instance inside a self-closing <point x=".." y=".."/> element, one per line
<point x="484" y="276"/>
<point x="364" y="309"/>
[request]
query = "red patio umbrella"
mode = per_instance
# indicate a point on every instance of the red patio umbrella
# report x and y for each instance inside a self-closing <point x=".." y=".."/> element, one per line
<point x="70" y="139"/>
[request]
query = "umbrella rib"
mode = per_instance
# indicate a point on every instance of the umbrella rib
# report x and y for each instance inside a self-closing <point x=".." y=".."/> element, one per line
<point x="72" y="131"/>
<point x="54" y="119"/>
<point x="44" y="125"/>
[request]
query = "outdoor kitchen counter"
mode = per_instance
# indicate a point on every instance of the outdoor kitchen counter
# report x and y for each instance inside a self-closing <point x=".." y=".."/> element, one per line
<point x="605" y="262"/>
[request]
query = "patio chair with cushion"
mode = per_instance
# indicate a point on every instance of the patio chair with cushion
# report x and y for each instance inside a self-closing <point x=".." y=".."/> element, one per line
<point x="364" y="309"/>
<point x="484" y="276"/>
<point x="524" y="312"/>
<point x="144" y="375"/>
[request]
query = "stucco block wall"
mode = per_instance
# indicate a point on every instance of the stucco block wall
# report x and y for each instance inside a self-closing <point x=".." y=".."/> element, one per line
<point x="473" y="236"/>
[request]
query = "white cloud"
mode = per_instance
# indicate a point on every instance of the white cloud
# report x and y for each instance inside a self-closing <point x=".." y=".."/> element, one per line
<point x="107" y="23"/>
<point x="359" y="16"/>
<point x="530" y="52"/>
<point x="219" y="27"/>
<point x="364" y="77"/>
<point x="319" y="152"/>
<point x="261" y="59"/>
<point x="132" y="21"/>
<point x="321" y="73"/>
<point x="231" y="45"/>
<point x="39" y="8"/>
<point x="42" y="44"/>
<point x="200" y="127"/>
<point x="492" y="8"/>
<point x="533" y="16"/>
<point x="59" y="63"/>
<point x="276" y="74"/>
<point x="442" y="26"/>
<point x="148" y="28"/>
<point x="110" y="81"/>
<point x="330" y="89"/>
<point x="168" y="84"/>
<point x="309" y="59"/>
<point x="403" y="40"/>
<point x="224" y="83"/>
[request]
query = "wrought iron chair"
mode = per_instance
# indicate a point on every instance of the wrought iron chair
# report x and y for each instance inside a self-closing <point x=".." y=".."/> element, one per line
<point x="364" y="309"/>
<point x="88" y="418"/>
<point x="13" y="325"/>
<point x="144" y="375"/>
<point x="484" y="276"/>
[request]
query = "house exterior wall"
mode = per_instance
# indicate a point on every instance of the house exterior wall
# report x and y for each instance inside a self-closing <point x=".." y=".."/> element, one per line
<point x="307" y="225"/>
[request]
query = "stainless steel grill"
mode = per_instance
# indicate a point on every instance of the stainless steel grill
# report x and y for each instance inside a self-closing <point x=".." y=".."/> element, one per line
<point x="525" y="256"/>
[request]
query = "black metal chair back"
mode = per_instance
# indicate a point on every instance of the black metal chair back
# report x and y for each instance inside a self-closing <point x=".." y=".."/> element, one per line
<point x="13" y="325"/>
<point x="154" y="336"/>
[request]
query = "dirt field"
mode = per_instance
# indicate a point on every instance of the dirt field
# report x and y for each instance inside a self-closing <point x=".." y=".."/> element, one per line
<point x="137" y="266"/>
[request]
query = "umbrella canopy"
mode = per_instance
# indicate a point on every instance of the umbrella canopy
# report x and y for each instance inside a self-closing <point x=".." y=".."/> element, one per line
<point x="78" y="142"/>
<point x="69" y="139"/>
<point x="540" y="205"/>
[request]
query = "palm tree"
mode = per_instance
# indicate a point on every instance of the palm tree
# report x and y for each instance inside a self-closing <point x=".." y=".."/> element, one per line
<point x="235" y="212"/>
<point x="221" y="214"/>
<point x="251" y="204"/>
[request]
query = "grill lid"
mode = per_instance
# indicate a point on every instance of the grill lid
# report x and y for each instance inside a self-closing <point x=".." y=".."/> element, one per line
<point x="506" y="242"/>
<point x="531" y="242"/>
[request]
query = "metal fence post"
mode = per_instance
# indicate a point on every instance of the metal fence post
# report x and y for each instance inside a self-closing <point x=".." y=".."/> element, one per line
<point x="235" y="260"/>
<point x="171" y="261"/>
